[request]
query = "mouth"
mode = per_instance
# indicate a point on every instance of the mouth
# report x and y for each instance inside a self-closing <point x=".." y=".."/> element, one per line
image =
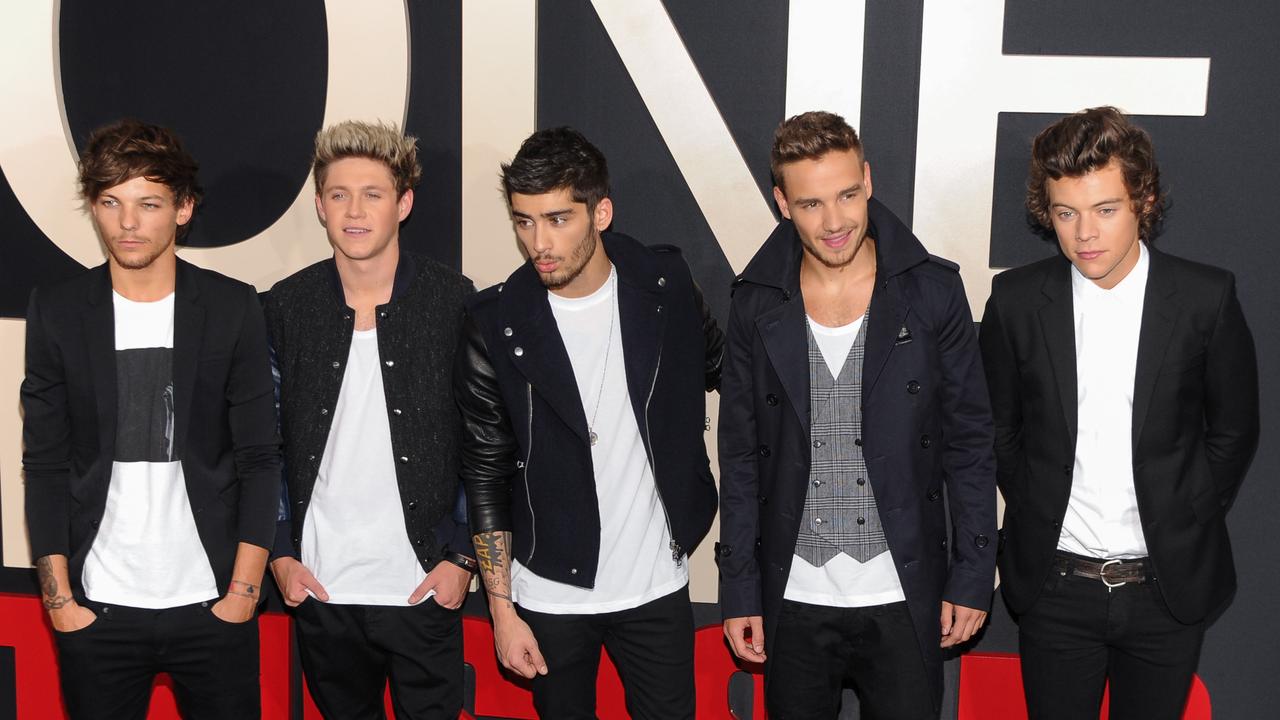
<point x="546" y="266"/>
<point x="838" y="241"/>
<point x="1088" y="255"/>
<point x="129" y="243"/>
<point x="356" y="231"/>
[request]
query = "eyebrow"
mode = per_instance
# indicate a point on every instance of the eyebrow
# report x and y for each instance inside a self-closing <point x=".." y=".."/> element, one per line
<point x="548" y="214"/>
<point x="362" y="187"/>
<point x="1109" y="201"/>
<point x="846" y="191"/>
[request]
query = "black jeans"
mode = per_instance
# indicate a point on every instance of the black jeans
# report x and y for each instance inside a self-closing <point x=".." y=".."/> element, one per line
<point x="816" y="648"/>
<point x="107" y="668"/>
<point x="1078" y="634"/>
<point x="651" y="645"/>
<point x="349" y="652"/>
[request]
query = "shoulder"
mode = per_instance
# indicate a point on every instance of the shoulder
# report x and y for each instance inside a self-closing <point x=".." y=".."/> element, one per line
<point x="439" y="275"/>
<point x="301" y="282"/>
<point x="1192" y="274"/>
<point x="68" y="291"/>
<point x="1027" y="278"/>
<point x="219" y="284"/>
<point x="486" y="300"/>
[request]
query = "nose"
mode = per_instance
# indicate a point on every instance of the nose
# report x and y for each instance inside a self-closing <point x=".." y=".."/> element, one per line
<point x="1086" y="227"/>
<point x="539" y="242"/>
<point x="355" y="208"/>
<point x="831" y="219"/>
<point x="128" y="217"/>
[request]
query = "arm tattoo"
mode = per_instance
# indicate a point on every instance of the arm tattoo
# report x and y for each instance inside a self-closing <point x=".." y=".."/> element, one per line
<point x="495" y="562"/>
<point x="49" y="585"/>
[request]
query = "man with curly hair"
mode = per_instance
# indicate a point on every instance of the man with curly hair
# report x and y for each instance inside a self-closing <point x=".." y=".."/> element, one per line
<point x="1124" y="387"/>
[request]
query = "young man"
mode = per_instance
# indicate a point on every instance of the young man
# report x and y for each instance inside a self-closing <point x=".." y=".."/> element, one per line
<point x="852" y="393"/>
<point x="1125" y="392"/>
<point x="152" y="461"/>
<point x="364" y="345"/>
<point x="582" y="384"/>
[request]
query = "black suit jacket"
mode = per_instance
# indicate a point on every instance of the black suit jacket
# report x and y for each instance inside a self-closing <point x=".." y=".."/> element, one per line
<point x="1195" y="423"/>
<point x="925" y="422"/>
<point x="225" y="423"/>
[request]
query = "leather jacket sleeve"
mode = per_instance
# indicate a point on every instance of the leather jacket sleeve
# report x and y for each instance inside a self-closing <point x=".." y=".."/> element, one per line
<point x="714" y="340"/>
<point x="488" y="442"/>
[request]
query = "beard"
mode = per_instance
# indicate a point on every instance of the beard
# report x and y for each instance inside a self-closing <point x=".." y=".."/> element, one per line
<point x="138" y="259"/>
<point x="571" y="267"/>
<point x="835" y="260"/>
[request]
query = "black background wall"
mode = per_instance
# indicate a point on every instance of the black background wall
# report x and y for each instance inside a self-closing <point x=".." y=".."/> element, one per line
<point x="243" y="82"/>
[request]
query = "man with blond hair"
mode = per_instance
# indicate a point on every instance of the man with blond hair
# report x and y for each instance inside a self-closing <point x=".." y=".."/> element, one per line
<point x="372" y="560"/>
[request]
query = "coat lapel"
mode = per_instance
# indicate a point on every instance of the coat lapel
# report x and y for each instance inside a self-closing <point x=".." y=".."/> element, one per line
<point x="100" y="345"/>
<point x="188" y="331"/>
<point x="1057" y="326"/>
<point x="643" y="325"/>
<point x="782" y="330"/>
<point x="1158" y="319"/>
<point x="888" y="317"/>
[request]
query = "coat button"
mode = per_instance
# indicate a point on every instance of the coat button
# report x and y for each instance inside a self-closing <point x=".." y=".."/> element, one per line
<point x="817" y="521"/>
<point x="913" y="387"/>
<point x="857" y="441"/>
<point x="311" y="457"/>
<point x="337" y="364"/>
<point x="934" y="494"/>
<point x="418" y="541"/>
<point x="403" y="460"/>
<point x="771" y="399"/>
<point x="412" y="504"/>
<point x="724" y="550"/>
<point x="862" y="481"/>
<point x="382" y="314"/>
<point x="818" y="443"/>
<point x="506" y="331"/>
<point x="817" y="483"/>
<point x="944" y="543"/>
<point x="300" y="503"/>
<point x="762" y="499"/>
<point x="764" y="451"/>
<point x="1066" y="469"/>
<point x="1056" y="524"/>
<point x="94" y="523"/>
<point x="573" y="571"/>
<point x="980" y="541"/>
<point x="324" y="411"/>
<point x="925" y="442"/>
<point x="390" y="363"/>
<point x="786" y="296"/>
<point x="396" y="411"/>
<point x="346" y="317"/>
<point x="662" y="282"/>
<point x="862" y="521"/>
<point x="296" y="540"/>
<point x="659" y="308"/>
<point x="518" y="352"/>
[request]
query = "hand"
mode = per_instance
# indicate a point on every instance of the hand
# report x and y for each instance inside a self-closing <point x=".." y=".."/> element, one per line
<point x="736" y="630"/>
<point x="233" y="608"/>
<point x="71" y="617"/>
<point x="959" y="623"/>
<point x="294" y="580"/>
<point x="450" y="583"/>
<point x="517" y="648"/>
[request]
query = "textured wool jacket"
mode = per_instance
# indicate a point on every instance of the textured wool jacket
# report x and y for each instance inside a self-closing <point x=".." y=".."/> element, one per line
<point x="311" y="326"/>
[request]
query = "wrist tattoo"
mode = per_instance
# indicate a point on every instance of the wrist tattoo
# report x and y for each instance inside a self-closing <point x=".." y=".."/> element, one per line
<point x="500" y="596"/>
<point x="245" y="589"/>
<point x="242" y="594"/>
<point x="49" y="585"/>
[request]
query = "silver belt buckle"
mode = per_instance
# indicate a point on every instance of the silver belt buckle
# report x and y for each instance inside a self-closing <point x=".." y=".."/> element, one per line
<point x="1102" y="575"/>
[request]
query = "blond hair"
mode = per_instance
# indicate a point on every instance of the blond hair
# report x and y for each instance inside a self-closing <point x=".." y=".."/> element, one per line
<point x="381" y="142"/>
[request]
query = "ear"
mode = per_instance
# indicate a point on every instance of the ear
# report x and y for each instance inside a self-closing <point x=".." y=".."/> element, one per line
<point x="866" y="176"/>
<point x="405" y="203"/>
<point x="320" y="211"/>
<point x="186" y="210"/>
<point x="603" y="214"/>
<point x="781" y="199"/>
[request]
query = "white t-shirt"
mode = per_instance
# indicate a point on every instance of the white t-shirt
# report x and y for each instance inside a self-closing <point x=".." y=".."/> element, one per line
<point x="147" y="552"/>
<point x="635" y="563"/>
<point x="843" y="581"/>
<point x="1102" y="515"/>
<point x="354" y="538"/>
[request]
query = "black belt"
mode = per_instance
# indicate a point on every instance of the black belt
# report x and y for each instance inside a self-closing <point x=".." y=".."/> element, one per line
<point x="1112" y="573"/>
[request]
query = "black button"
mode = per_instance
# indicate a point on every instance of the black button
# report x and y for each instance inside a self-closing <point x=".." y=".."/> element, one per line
<point x="857" y="441"/>
<point x="818" y="443"/>
<point x="403" y="459"/>
<point x="418" y="542"/>
<point x="763" y="500"/>
<point x="934" y="494"/>
<point x="764" y="451"/>
<point x="786" y="296"/>
<point x="412" y="504"/>
<point x="862" y="521"/>
<point x="94" y="523"/>
<point x="980" y="541"/>
<point x="296" y="540"/>
<point x="771" y="399"/>
<point x="925" y="442"/>
<point x="300" y="503"/>
<point x="725" y="550"/>
<point x="944" y="543"/>
<point x="1056" y="524"/>
<point x="1066" y="469"/>
<point x="913" y="387"/>
<point x="862" y="481"/>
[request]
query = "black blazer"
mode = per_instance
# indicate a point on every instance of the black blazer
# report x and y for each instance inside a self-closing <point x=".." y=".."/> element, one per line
<point x="225" y="421"/>
<point x="1195" y="423"/>
<point x="925" y="419"/>
<point x="526" y="459"/>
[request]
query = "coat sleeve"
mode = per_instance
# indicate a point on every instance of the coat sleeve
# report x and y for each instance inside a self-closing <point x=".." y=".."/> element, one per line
<point x="968" y="455"/>
<point x="46" y="431"/>
<point x="255" y="441"/>
<point x="714" y="338"/>
<point x="740" y="589"/>
<point x="488" y="441"/>
<point x="1231" y="397"/>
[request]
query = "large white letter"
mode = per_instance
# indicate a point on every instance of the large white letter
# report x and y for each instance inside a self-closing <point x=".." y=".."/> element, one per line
<point x="825" y="40"/>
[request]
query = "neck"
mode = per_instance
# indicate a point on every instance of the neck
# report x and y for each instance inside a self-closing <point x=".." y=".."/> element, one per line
<point x="370" y="279"/>
<point x="154" y="282"/>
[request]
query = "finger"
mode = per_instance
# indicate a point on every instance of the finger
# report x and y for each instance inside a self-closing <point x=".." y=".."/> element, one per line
<point x="311" y="583"/>
<point x="535" y="657"/>
<point x="421" y="592"/>
<point x="756" y="623"/>
<point x="947" y="618"/>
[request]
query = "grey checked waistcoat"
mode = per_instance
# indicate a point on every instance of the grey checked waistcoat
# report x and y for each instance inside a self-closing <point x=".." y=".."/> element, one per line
<point x="840" y="512"/>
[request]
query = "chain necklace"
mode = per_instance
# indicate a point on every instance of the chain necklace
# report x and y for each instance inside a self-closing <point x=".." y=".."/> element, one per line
<point x="613" y="311"/>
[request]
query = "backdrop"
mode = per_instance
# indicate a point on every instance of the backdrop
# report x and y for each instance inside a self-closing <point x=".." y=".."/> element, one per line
<point x="682" y="97"/>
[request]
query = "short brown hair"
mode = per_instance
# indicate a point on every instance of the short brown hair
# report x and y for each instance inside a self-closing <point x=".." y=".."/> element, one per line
<point x="381" y="142"/>
<point x="1090" y="140"/>
<point x="128" y="149"/>
<point x="809" y="136"/>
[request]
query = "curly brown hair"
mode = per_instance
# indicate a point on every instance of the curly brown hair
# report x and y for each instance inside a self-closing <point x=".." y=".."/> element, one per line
<point x="128" y="149"/>
<point x="1090" y="140"/>
<point x="809" y="136"/>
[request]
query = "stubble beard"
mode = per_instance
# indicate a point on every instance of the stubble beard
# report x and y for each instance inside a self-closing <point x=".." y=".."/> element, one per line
<point x="578" y="261"/>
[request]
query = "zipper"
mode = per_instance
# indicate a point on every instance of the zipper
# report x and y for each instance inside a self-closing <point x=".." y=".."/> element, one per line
<point x="653" y="465"/>
<point x="533" y="523"/>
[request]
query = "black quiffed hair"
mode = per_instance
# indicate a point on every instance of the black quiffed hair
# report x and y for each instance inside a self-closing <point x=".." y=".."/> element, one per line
<point x="558" y="158"/>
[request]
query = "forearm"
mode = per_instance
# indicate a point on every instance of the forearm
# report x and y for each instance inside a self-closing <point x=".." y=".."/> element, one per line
<point x="55" y="581"/>
<point x="493" y="552"/>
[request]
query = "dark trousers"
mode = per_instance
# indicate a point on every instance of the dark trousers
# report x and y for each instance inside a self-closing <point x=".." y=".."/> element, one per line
<point x="1078" y="634"/>
<point x="816" y="649"/>
<point x="651" y="645"/>
<point x="107" y="668"/>
<point x="349" y="652"/>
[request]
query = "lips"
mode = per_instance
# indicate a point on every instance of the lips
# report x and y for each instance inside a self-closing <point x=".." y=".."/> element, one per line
<point x="356" y="230"/>
<point x="1089" y="255"/>
<point x="836" y="242"/>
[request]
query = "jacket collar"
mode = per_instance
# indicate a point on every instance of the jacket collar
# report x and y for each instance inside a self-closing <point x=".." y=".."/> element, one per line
<point x="406" y="271"/>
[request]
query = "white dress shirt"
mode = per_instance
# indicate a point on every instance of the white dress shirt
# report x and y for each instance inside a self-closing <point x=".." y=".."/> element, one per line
<point x="1102" y="516"/>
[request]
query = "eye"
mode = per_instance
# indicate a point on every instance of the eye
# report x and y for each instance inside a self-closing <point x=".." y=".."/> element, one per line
<point x="523" y="222"/>
<point x="1066" y="214"/>
<point x="150" y="206"/>
<point x="849" y="195"/>
<point x="106" y="202"/>
<point x="1107" y="211"/>
<point x="373" y="196"/>
<point x="811" y="204"/>
<point x="338" y="196"/>
<point x="558" y="221"/>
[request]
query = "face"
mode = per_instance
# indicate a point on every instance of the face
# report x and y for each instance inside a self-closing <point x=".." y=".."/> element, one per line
<point x="827" y="198"/>
<point x="359" y="208"/>
<point x="561" y="238"/>
<point x="1096" y="224"/>
<point x="138" y="221"/>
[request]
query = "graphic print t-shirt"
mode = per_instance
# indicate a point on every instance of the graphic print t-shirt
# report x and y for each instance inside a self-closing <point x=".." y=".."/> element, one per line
<point x="147" y="552"/>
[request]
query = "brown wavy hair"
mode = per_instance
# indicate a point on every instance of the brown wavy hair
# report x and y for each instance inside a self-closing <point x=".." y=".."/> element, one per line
<point x="1090" y="140"/>
<point x="809" y="136"/>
